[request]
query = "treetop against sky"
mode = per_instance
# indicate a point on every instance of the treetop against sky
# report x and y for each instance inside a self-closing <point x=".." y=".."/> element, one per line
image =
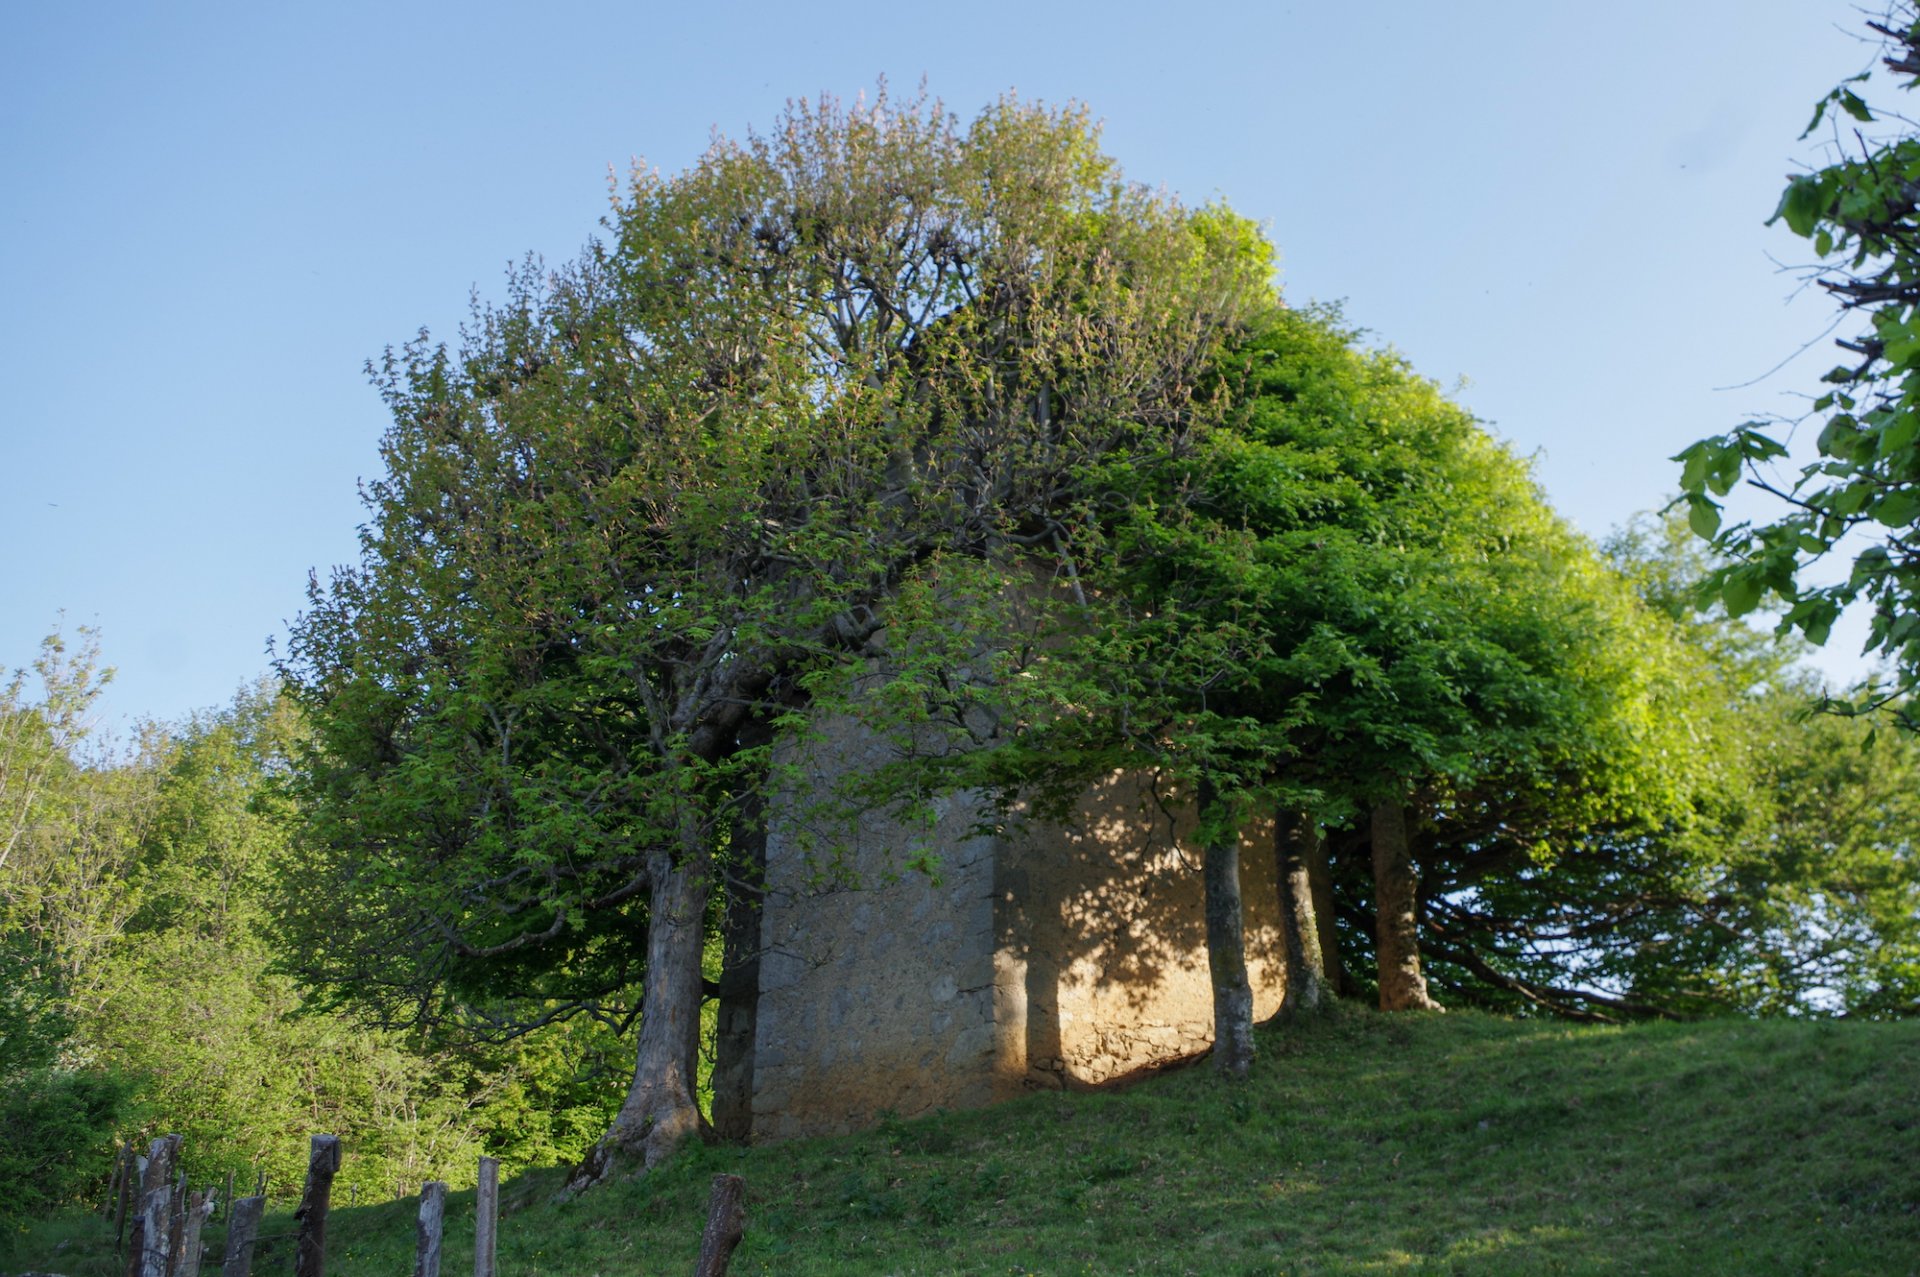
<point x="212" y="222"/>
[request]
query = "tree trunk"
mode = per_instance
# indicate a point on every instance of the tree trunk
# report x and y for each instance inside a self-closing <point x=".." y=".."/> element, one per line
<point x="1226" y="945"/>
<point x="1402" y="986"/>
<point x="1294" y="838"/>
<point x="660" y="1111"/>
<point x="1320" y="880"/>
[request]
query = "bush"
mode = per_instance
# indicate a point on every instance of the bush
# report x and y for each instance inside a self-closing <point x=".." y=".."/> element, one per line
<point x="57" y="1126"/>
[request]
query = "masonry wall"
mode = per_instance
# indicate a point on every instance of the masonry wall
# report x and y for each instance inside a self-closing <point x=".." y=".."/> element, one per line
<point x="876" y="980"/>
<point x="1051" y="956"/>
<point x="1100" y="933"/>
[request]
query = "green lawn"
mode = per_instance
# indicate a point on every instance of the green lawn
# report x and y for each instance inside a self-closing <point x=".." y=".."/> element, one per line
<point x="1363" y="1144"/>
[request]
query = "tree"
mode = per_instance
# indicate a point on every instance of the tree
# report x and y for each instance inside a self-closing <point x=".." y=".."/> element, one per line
<point x="658" y="500"/>
<point x="1861" y="498"/>
<point x="65" y="818"/>
<point x="239" y="1059"/>
<point x="37" y="738"/>
<point x="1348" y="606"/>
<point x="1775" y="873"/>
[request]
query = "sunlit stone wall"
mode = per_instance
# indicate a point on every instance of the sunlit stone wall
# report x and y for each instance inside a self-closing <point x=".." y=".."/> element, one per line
<point x="1046" y="956"/>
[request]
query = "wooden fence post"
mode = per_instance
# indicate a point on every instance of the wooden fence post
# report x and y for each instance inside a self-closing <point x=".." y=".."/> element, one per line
<point x="113" y="1183"/>
<point x="130" y="1172"/>
<point x="136" y="1244"/>
<point x="199" y="1208"/>
<point x="433" y="1215"/>
<point x="726" y="1223"/>
<point x="323" y="1162"/>
<point x="226" y="1201"/>
<point x="156" y="1234"/>
<point x="486" y="1217"/>
<point x="177" y="1226"/>
<point x="243" y="1224"/>
<point x="163" y="1159"/>
<point x="152" y="1249"/>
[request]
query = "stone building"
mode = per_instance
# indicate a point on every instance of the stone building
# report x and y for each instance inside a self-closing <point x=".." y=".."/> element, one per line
<point x="1049" y="956"/>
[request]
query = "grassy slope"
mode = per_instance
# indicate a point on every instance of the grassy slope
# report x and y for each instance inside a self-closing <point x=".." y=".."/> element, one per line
<point x="1364" y="1144"/>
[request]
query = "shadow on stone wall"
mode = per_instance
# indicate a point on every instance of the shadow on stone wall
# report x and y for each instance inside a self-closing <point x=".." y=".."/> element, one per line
<point x="1101" y="923"/>
<point x="1047" y="955"/>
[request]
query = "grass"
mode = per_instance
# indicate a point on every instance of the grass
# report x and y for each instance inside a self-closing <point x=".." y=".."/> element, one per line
<point x="1364" y="1144"/>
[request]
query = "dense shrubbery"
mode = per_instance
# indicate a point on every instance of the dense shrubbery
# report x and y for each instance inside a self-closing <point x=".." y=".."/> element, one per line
<point x="139" y="992"/>
<point x="57" y="1118"/>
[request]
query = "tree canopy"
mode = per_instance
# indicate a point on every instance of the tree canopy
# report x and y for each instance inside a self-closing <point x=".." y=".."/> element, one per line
<point x="664" y="489"/>
<point x="1845" y="533"/>
<point x="1349" y="604"/>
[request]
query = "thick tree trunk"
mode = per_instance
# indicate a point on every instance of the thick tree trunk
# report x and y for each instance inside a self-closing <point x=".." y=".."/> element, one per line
<point x="1294" y="838"/>
<point x="1227" y="948"/>
<point x="1402" y="986"/>
<point x="1320" y="881"/>
<point x="660" y="1111"/>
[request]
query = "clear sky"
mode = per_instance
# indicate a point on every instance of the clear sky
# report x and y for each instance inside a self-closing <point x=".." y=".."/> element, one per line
<point x="212" y="215"/>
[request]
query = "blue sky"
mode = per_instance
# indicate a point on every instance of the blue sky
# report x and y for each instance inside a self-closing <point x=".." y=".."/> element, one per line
<point x="212" y="216"/>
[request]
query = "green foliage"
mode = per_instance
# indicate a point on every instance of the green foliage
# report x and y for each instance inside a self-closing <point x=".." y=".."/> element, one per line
<point x="136" y="990"/>
<point x="228" y="1053"/>
<point x="59" y="845"/>
<point x="57" y="1121"/>
<point x="1787" y="885"/>
<point x="1353" y="565"/>
<point x="58" y="1125"/>
<point x="645" y="519"/>
<point x="1851" y="511"/>
<point x="1819" y="874"/>
<point x="1347" y="593"/>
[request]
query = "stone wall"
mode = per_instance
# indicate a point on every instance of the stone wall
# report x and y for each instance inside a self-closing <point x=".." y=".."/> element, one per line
<point x="1048" y="956"/>
<point x="1100" y="925"/>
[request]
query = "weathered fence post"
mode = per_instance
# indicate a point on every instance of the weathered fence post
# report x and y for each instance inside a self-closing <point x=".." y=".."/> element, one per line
<point x="243" y="1225"/>
<point x="199" y="1208"/>
<point x="130" y="1172"/>
<point x="151" y="1245"/>
<point x="155" y="1233"/>
<point x="433" y="1215"/>
<point x="136" y="1244"/>
<point x="323" y="1162"/>
<point x="726" y="1224"/>
<point x="177" y="1227"/>
<point x="163" y="1158"/>
<point x="226" y="1200"/>
<point x="486" y="1217"/>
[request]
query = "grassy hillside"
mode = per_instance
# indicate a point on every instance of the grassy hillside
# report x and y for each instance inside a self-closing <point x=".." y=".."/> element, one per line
<point x="1364" y="1144"/>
